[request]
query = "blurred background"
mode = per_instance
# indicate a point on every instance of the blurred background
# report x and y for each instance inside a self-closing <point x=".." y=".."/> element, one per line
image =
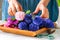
<point x="58" y="2"/>
<point x="1" y="6"/>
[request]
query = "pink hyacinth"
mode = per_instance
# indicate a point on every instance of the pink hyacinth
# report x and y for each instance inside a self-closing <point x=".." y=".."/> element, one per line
<point x="19" y="15"/>
<point x="6" y="24"/>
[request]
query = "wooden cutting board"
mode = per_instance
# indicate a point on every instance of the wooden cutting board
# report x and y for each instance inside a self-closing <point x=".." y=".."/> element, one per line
<point x="23" y="32"/>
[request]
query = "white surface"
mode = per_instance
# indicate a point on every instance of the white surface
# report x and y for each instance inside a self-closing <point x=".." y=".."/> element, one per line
<point x="9" y="36"/>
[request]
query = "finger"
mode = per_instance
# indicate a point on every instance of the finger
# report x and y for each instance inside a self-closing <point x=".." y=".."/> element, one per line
<point x="39" y="7"/>
<point x="45" y="13"/>
<point x="18" y="7"/>
<point x="10" y="11"/>
<point x="36" y="10"/>
<point x="13" y="9"/>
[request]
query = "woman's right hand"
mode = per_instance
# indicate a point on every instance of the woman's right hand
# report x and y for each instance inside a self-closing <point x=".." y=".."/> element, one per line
<point x="13" y="7"/>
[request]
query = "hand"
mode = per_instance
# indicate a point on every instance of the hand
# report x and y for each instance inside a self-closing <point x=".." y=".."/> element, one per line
<point x="45" y="13"/>
<point x="13" y="7"/>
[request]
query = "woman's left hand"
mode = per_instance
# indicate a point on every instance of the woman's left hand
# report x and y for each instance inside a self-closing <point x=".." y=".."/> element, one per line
<point x="42" y="7"/>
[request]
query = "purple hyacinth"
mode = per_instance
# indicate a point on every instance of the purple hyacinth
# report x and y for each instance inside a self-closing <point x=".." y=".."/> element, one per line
<point x="15" y="22"/>
<point x="48" y="23"/>
<point x="38" y="20"/>
<point x="28" y="16"/>
<point x="9" y="20"/>
<point x="33" y="27"/>
<point x="28" y="19"/>
<point x="23" y="26"/>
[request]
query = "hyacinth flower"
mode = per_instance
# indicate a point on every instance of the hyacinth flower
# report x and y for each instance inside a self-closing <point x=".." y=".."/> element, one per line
<point x="11" y="23"/>
<point x="9" y="20"/>
<point x="23" y="26"/>
<point x="7" y="24"/>
<point x="33" y="27"/>
<point x="48" y="23"/>
<point x="20" y="16"/>
<point x="15" y="22"/>
<point x="38" y="21"/>
<point x="28" y="18"/>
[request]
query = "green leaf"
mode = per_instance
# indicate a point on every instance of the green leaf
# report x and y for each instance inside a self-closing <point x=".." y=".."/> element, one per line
<point x="28" y="12"/>
<point x="13" y="18"/>
<point x="58" y="2"/>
